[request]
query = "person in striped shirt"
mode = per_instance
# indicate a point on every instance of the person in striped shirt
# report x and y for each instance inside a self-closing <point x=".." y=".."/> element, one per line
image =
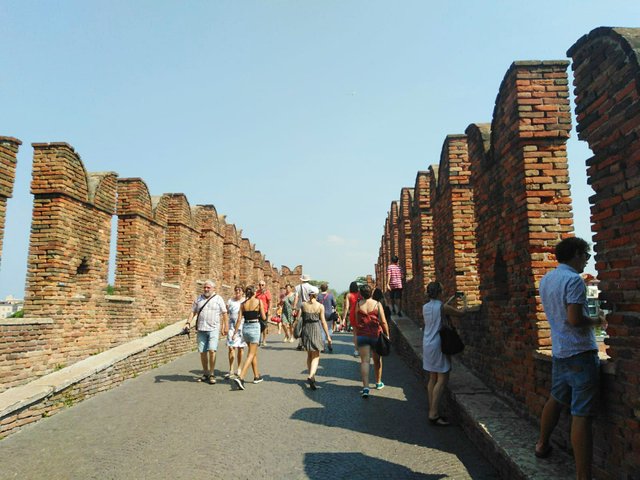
<point x="394" y="285"/>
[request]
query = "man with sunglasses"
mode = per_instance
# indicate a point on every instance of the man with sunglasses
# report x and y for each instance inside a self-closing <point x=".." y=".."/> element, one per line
<point x="575" y="362"/>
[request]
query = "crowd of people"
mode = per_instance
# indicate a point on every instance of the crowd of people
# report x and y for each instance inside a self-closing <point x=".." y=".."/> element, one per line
<point x="311" y="315"/>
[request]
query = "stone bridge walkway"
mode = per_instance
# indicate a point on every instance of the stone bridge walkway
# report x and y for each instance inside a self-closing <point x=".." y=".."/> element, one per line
<point x="163" y="424"/>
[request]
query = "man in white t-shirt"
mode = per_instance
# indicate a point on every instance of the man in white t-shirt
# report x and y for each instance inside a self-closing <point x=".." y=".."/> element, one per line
<point x="210" y="313"/>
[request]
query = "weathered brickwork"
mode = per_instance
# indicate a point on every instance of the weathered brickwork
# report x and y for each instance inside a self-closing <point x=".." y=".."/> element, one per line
<point x="606" y="66"/>
<point x="498" y="203"/>
<point x="165" y="250"/>
<point x="8" y="153"/>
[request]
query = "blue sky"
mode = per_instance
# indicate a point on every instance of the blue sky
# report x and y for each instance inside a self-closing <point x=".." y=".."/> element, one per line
<point x="299" y="120"/>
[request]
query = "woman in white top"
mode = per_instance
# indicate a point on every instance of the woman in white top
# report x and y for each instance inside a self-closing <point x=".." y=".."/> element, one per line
<point x="433" y="360"/>
<point x="235" y="342"/>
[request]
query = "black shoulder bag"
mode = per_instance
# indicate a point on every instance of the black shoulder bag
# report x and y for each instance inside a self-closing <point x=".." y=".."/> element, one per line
<point x="450" y="341"/>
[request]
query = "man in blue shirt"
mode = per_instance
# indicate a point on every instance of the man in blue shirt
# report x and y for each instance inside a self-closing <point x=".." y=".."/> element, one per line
<point x="575" y="363"/>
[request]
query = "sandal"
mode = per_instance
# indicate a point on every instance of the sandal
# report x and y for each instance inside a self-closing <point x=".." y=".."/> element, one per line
<point x="439" y="422"/>
<point x="203" y="378"/>
<point x="212" y="380"/>
<point x="544" y="453"/>
<point x="312" y="383"/>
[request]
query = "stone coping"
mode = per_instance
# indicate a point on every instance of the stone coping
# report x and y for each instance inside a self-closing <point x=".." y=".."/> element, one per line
<point x="503" y="436"/>
<point x="22" y="396"/>
<point x="26" y="321"/>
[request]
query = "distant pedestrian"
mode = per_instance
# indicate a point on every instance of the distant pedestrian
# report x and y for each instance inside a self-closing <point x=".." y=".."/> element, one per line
<point x="313" y="324"/>
<point x="235" y="342"/>
<point x="369" y="323"/>
<point x="349" y="313"/>
<point x="575" y="363"/>
<point x="287" y="312"/>
<point x="264" y="295"/>
<point x="251" y="312"/>
<point x="301" y="296"/>
<point x="210" y="314"/>
<point x="394" y="285"/>
<point x="433" y="360"/>
<point x="328" y="301"/>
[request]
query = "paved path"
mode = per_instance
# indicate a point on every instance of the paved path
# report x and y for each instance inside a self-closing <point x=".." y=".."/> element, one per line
<point x="163" y="424"/>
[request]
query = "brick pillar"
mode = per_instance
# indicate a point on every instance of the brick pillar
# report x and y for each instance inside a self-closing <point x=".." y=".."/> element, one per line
<point x="140" y="255"/>
<point x="231" y="257"/>
<point x="422" y="245"/>
<point x="246" y="262"/>
<point x="454" y="221"/>
<point x="607" y="86"/>
<point x="405" y="248"/>
<point x="210" y="246"/>
<point x="182" y="249"/>
<point x="70" y="233"/>
<point x="8" y="153"/>
<point x="523" y="208"/>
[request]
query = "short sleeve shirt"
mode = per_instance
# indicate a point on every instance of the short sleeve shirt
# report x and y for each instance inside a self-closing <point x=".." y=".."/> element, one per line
<point x="209" y="318"/>
<point x="395" y="276"/>
<point x="559" y="288"/>
<point x="265" y="297"/>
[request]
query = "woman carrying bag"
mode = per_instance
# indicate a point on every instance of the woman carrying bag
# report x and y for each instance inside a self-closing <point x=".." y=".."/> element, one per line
<point x="370" y="321"/>
<point x="434" y="361"/>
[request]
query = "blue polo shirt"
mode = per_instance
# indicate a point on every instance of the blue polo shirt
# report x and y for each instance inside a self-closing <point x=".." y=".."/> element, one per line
<point x="559" y="288"/>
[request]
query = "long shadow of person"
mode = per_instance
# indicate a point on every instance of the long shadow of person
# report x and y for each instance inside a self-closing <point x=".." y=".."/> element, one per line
<point x="322" y="465"/>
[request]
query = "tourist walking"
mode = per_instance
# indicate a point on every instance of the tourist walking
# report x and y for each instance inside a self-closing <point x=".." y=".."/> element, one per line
<point x="301" y="296"/>
<point x="369" y="323"/>
<point x="287" y="312"/>
<point x="394" y="285"/>
<point x="575" y="373"/>
<point x="436" y="363"/>
<point x="349" y="313"/>
<point x="235" y="343"/>
<point x="328" y="301"/>
<point x="251" y="312"/>
<point x="313" y="325"/>
<point x="264" y="296"/>
<point x="210" y="314"/>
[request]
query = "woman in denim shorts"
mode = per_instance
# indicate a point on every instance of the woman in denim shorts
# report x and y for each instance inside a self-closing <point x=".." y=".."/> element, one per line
<point x="251" y="312"/>
<point x="369" y="322"/>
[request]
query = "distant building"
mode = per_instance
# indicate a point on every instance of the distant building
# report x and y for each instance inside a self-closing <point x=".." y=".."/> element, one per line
<point x="9" y="306"/>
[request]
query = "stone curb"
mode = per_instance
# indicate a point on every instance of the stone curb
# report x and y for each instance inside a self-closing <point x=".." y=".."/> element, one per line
<point x="506" y="439"/>
<point x="24" y="395"/>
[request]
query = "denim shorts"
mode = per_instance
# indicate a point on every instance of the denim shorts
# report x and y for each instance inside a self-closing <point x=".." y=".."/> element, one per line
<point x="362" y="341"/>
<point x="251" y="332"/>
<point x="575" y="381"/>
<point x="208" y="341"/>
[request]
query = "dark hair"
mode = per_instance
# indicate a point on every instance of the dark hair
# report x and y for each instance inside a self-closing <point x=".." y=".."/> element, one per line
<point x="288" y="285"/>
<point x="324" y="287"/>
<point x="569" y="247"/>
<point x="365" y="291"/>
<point x="249" y="292"/>
<point x="377" y="295"/>
<point x="238" y="287"/>
<point x="434" y="289"/>
<point x="353" y="287"/>
<point x="395" y="259"/>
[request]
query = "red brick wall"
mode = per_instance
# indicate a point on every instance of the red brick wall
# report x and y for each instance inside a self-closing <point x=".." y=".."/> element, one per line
<point x="607" y="86"/>
<point x="8" y="153"/>
<point x="165" y="250"/>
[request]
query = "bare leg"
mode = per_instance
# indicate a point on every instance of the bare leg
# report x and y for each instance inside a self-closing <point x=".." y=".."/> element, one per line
<point x="231" y="359"/>
<point x="212" y="361"/>
<point x="313" y="361"/>
<point x="433" y="378"/>
<point x="582" y="443"/>
<point x="548" y="421"/>
<point x="438" y="389"/>
<point x="364" y="365"/>
<point x="239" y="357"/>
<point x="377" y="367"/>
<point x="254" y="364"/>
<point x="251" y="358"/>
<point x="205" y="362"/>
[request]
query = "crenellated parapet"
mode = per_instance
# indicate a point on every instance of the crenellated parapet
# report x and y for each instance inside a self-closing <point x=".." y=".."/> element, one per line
<point x="165" y="250"/>
<point x="8" y="161"/>
<point x="606" y="68"/>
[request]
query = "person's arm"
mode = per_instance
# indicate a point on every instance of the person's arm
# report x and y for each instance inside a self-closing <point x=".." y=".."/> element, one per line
<point x="577" y="318"/>
<point x="194" y="312"/>
<point x="383" y="320"/>
<point x="345" y="310"/>
<point x="263" y="316"/>
<point x="454" y="311"/>
<point x="324" y="325"/>
<point x="239" y="320"/>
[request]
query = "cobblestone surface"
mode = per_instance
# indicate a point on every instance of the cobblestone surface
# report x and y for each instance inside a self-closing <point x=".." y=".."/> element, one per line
<point x="164" y="424"/>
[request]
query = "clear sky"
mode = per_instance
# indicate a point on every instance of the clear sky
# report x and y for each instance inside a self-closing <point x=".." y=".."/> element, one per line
<point x="299" y="120"/>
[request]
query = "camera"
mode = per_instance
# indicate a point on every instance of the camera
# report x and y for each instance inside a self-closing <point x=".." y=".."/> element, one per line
<point x="460" y="294"/>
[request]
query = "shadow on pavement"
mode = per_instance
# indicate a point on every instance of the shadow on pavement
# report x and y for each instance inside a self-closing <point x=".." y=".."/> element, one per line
<point x="357" y="465"/>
